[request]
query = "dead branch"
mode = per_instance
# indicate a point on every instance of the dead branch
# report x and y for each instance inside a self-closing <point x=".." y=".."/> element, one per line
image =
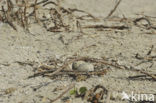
<point x="146" y="58"/>
<point x="70" y="73"/>
<point x="138" y="77"/>
<point x="69" y="87"/>
<point x="41" y="2"/>
<point x="6" y="20"/>
<point x="142" y="18"/>
<point x="148" y="26"/>
<point x="50" y="2"/>
<point x="113" y="10"/>
<point x="150" y="51"/>
<point x="25" y="17"/>
<point x="153" y="76"/>
<point x="12" y="25"/>
<point x="88" y="14"/>
<point x="35" y="10"/>
<point x="22" y="18"/>
<point x="9" y="5"/>
<point x="122" y="27"/>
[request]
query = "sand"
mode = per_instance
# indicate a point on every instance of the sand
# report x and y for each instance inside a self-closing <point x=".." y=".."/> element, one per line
<point x="40" y="45"/>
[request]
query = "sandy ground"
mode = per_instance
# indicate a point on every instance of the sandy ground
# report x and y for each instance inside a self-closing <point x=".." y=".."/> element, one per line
<point x="40" y="45"/>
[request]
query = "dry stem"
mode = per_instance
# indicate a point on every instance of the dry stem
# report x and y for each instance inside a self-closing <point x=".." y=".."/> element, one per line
<point x="113" y="10"/>
<point x="69" y="87"/>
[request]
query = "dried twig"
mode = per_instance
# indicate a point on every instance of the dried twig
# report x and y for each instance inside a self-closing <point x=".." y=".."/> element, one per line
<point x="150" y="51"/>
<point x="40" y="86"/>
<point x="22" y="19"/>
<point x="122" y="27"/>
<point x="88" y="14"/>
<point x="6" y="19"/>
<point x="50" y="2"/>
<point x="113" y="10"/>
<point x="12" y="25"/>
<point x="25" y="17"/>
<point x="69" y="87"/>
<point x="71" y="73"/>
<point x="10" y="5"/>
<point x="143" y="72"/>
<point x="62" y="67"/>
<point x="32" y="5"/>
<point x="140" y="77"/>
<point x="149" y="26"/>
<point x="142" y="18"/>
<point x="146" y="58"/>
<point x="35" y="14"/>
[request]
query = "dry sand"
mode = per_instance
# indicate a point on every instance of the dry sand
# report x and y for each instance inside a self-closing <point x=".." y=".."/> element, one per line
<point x="40" y="45"/>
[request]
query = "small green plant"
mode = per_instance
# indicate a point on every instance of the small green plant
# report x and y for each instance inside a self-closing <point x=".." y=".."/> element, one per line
<point x="79" y="92"/>
<point x="82" y="90"/>
<point x="73" y="92"/>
